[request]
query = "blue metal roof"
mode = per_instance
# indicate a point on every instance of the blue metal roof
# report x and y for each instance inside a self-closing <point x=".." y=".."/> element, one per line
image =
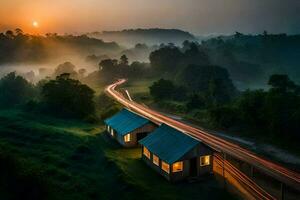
<point x="125" y="121"/>
<point x="169" y="144"/>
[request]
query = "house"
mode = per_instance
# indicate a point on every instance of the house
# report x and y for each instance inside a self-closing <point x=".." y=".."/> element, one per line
<point x="128" y="127"/>
<point x="176" y="155"/>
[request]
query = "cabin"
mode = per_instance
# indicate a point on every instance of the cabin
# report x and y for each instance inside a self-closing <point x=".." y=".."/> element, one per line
<point x="128" y="127"/>
<point x="175" y="155"/>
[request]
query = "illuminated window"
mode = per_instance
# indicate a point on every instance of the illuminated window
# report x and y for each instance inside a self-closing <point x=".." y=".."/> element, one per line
<point x="155" y="160"/>
<point x="177" y="167"/>
<point x="204" y="160"/>
<point x="146" y="152"/>
<point x="127" y="138"/>
<point x="112" y="133"/>
<point x="165" y="167"/>
<point x="108" y="128"/>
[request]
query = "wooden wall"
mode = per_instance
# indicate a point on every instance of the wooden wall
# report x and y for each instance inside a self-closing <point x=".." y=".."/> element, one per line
<point x="148" y="128"/>
<point x="199" y="150"/>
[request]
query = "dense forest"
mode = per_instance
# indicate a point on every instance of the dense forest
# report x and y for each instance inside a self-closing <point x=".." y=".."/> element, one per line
<point x="208" y="94"/>
<point x="18" y="47"/>
<point x="251" y="59"/>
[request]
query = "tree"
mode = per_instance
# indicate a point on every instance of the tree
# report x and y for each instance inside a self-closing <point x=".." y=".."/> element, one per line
<point x="238" y="35"/>
<point x="66" y="67"/>
<point x="108" y="65"/>
<point x="124" y="61"/>
<point x="282" y="106"/>
<point x="68" y="97"/>
<point x="193" y="55"/>
<point x="195" y="102"/>
<point x="179" y="93"/>
<point x="223" y="116"/>
<point x="209" y="80"/>
<point x="19" y="31"/>
<point x="282" y="83"/>
<point x="251" y="107"/>
<point x="10" y="34"/>
<point x="138" y="69"/>
<point x="162" y="89"/>
<point x="166" y="59"/>
<point x="15" y="90"/>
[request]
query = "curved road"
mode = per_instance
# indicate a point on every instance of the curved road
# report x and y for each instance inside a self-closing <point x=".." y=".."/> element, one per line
<point x="279" y="172"/>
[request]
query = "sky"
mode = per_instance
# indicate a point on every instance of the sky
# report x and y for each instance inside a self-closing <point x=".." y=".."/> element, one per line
<point x="200" y="17"/>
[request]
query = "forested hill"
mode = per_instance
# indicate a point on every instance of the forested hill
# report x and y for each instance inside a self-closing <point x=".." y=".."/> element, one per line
<point x="151" y="36"/>
<point x="18" y="47"/>
<point x="252" y="58"/>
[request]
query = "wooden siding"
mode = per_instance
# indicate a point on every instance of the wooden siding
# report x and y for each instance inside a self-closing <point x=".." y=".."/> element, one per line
<point x="148" y="128"/>
<point x="199" y="150"/>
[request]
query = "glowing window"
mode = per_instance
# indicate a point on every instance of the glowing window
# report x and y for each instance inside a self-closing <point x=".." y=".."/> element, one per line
<point x="112" y="133"/>
<point x="146" y="152"/>
<point x="127" y="138"/>
<point x="204" y="160"/>
<point x="165" y="167"/>
<point x="155" y="160"/>
<point x="108" y="128"/>
<point x="177" y="167"/>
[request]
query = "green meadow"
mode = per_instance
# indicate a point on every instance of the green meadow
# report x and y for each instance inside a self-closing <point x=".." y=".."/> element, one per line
<point x="43" y="157"/>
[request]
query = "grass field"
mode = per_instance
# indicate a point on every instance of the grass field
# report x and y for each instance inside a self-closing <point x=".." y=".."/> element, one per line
<point x="46" y="158"/>
<point x="139" y="90"/>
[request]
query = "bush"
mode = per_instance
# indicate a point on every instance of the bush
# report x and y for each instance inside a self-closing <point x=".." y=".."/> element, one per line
<point x="223" y="116"/>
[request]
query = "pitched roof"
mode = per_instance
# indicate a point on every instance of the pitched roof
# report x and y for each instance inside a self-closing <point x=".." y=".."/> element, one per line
<point x="169" y="144"/>
<point x="126" y="121"/>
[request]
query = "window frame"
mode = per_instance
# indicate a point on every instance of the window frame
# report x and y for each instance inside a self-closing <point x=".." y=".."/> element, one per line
<point x="112" y="132"/>
<point x="180" y="163"/>
<point x="155" y="160"/>
<point x="127" y="138"/>
<point x="202" y="164"/>
<point x="146" y="152"/>
<point x="165" y="167"/>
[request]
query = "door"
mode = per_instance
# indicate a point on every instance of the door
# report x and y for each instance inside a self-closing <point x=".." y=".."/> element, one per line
<point x="193" y="167"/>
<point x="141" y="135"/>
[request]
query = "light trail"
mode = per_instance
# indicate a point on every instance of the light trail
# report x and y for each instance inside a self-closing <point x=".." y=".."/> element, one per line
<point x="281" y="173"/>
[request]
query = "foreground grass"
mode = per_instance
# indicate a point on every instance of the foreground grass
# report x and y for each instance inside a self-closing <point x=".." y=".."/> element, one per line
<point x="47" y="158"/>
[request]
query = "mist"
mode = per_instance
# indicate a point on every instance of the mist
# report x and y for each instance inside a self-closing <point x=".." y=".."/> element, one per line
<point x="36" y="57"/>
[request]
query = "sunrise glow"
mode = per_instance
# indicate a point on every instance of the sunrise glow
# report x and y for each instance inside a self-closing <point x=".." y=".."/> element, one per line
<point x="35" y="24"/>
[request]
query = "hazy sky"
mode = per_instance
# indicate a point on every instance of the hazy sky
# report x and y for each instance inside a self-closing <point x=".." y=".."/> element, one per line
<point x="196" y="16"/>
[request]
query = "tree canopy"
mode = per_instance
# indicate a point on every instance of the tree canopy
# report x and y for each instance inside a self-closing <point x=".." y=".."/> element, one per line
<point x="14" y="89"/>
<point x="275" y="112"/>
<point x="68" y="97"/>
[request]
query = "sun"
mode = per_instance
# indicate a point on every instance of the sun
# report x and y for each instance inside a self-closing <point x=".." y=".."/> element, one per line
<point x="35" y="24"/>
